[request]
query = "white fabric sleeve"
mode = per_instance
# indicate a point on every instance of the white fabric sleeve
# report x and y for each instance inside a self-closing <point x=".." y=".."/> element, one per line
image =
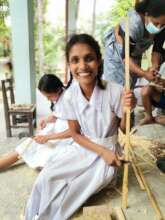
<point x="117" y="93"/>
<point x="66" y="110"/>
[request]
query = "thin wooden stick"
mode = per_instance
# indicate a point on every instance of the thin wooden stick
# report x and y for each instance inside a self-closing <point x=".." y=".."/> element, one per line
<point x="126" y="148"/>
<point x="120" y="214"/>
<point x="137" y="175"/>
<point x="145" y="160"/>
<point x="148" y="191"/>
<point x="117" y="190"/>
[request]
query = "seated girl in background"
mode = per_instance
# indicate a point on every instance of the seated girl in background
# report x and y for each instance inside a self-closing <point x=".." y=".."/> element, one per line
<point x="36" y="151"/>
<point x="94" y="110"/>
<point x="153" y="96"/>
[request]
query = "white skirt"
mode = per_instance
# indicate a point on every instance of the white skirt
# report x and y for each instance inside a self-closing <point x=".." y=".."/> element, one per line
<point x="70" y="177"/>
<point x="36" y="155"/>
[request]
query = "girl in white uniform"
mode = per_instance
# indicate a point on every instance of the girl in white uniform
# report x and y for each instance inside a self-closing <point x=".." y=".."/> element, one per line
<point x="93" y="109"/>
<point x="36" y="151"/>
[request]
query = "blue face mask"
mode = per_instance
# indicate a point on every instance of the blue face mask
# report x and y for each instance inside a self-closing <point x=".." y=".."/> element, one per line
<point x="152" y="29"/>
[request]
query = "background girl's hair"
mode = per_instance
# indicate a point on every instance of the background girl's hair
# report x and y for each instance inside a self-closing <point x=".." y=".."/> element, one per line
<point x="52" y="106"/>
<point x="90" y="41"/>
<point x="50" y="83"/>
<point x="154" y="8"/>
<point x="70" y="81"/>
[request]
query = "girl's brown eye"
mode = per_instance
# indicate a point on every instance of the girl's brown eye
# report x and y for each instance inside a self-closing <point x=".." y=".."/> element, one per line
<point x="89" y="58"/>
<point x="74" y="60"/>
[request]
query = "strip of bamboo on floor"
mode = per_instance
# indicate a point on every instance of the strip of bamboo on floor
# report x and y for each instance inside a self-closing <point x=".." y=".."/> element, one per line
<point x="150" y="195"/>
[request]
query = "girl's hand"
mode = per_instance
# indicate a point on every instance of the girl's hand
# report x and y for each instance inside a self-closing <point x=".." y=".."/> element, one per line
<point x="110" y="157"/>
<point x="41" y="139"/>
<point x="129" y="100"/>
<point x="43" y="124"/>
<point x="150" y="74"/>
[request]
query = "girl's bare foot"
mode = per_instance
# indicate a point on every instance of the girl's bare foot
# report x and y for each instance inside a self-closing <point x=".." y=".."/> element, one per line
<point x="147" y="120"/>
<point x="160" y="119"/>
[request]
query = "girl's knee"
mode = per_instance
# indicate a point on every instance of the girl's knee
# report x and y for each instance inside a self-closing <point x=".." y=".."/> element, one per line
<point x="147" y="90"/>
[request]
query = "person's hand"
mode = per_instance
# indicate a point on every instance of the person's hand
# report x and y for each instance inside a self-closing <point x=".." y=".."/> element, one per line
<point x="158" y="80"/>
<point x="42" y="123"/>
<point x="110" y="157"/>
<point x="129" y="100"/>
<point x="150" y="74"/>
<point x="41" y="139"/>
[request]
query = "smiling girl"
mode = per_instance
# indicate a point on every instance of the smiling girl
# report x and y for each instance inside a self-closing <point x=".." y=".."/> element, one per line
<point x="94" y="112"/>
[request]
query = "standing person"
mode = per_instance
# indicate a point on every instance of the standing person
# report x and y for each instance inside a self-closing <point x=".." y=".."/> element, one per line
<point x="94" y="112"/>
<point x="145" y="22"/>
<point x="36" y="151"/>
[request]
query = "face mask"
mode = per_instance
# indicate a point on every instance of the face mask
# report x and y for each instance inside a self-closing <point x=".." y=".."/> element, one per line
<point x="152" y="29"/>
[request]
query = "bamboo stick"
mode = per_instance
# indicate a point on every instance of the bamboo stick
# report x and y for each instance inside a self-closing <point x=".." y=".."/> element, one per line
<point x="137" y="175"/>
<point x="148" y="191"/>
<point x="119" y="213"/>
<point x="152" y="164"/>
<point x="126" y="148"/>
<point x="117" y="190"/>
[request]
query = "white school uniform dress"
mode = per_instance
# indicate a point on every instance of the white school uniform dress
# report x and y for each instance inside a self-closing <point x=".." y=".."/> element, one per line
<point x="76" y="173"/>
<point x="36" y="155"/>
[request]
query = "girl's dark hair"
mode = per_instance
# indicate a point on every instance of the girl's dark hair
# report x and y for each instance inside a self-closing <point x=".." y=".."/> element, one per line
<point x="154" y="8"/>
<point x="50" y="83"/>
<point x="52" y="106"/>
<point x="90" y="41"/>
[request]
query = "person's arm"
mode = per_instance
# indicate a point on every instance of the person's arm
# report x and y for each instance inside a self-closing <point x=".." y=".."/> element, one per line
<point x="108" y="155"/>
<point x="59" y="135"/>
<point x="156" y="60"/>
<point x="134" y="68"/>
<point x="42" y="139"/>
<point x="149" y="74"/>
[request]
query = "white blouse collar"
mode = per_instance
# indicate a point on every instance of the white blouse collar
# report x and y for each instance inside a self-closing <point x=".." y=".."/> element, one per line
<point x="95" y="101"/>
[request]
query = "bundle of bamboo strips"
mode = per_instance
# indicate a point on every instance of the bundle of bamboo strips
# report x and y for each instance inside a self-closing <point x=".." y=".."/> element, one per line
<point x="152" y="149"/>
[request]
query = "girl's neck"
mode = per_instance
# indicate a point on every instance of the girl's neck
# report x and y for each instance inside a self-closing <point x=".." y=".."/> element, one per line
<point x="87" y="90"/>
